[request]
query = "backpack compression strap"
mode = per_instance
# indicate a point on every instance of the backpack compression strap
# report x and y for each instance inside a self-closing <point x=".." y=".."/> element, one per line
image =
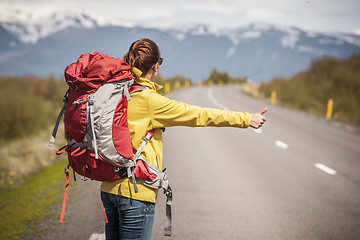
<point x="148" y="136"/>
<point x="53" y="135"/>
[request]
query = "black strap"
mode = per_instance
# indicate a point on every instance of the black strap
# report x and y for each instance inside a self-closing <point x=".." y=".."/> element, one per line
<point x="167" y="229"/>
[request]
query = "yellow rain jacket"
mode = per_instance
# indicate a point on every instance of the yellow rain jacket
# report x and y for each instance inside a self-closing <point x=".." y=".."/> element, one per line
<point x="149" y="110"/>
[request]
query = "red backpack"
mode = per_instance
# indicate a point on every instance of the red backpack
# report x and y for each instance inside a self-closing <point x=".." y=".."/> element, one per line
<point x="96" y="130"/>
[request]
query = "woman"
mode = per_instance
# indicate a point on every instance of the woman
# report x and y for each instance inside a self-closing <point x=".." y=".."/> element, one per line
<point x="130" y="214"/>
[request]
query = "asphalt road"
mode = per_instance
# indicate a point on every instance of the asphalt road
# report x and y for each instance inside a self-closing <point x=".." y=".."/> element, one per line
<point x="296" y="178"/>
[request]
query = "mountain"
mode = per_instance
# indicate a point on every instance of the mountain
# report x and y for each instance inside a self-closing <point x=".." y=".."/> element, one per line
<point x="46" y="45"/>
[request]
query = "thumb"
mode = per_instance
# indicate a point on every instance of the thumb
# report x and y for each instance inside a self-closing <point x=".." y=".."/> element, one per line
<point x="263" y="111"/>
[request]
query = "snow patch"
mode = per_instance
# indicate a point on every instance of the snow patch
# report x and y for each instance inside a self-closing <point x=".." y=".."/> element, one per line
<point x="291" y="38"/>
<point x="309" y="50"/>
<point x="230" y="53"/>
<point x="330" y="41"/>
<point x="251" y="34"/>
<point x="349" y="38"/>
<point x="30" y="29"/>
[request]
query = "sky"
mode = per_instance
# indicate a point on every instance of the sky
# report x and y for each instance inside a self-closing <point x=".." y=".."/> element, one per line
<point x="312" y="15"/>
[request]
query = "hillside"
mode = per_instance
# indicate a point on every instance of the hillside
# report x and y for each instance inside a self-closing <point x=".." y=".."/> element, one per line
<point x="327" y="78"/>
<point x="258" y="51"/>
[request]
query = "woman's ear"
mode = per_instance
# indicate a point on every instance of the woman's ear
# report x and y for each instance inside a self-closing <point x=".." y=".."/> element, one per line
<point x="156" y="67"/>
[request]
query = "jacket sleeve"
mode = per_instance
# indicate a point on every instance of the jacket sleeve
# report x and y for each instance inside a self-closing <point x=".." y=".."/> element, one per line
<point x="166" y="113"/>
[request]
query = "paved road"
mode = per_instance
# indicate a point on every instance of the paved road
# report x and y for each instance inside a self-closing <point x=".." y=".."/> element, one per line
<point x="245" y="184"/>
<point x="296" y="178"/>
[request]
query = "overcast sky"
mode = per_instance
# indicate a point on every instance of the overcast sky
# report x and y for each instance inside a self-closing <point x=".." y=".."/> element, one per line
<point x="316" y="15"/>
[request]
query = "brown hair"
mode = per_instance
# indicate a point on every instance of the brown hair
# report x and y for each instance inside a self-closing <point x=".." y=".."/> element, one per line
<point x="143" y="54"/>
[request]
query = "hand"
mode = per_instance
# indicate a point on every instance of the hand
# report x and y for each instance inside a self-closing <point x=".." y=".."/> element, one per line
<point x="257" y="119"/>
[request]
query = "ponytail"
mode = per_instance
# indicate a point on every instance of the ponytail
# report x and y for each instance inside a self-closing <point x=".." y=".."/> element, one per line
<point x="143" y="54"/>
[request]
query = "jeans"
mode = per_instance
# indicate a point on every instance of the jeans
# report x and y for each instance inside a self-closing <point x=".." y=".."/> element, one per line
<point x="128" y="218"/>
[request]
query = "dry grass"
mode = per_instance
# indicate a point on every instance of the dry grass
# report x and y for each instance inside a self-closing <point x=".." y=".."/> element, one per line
<point x="24" y="157"/>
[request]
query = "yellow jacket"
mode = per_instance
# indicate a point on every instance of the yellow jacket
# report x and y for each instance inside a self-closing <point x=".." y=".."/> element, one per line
<point x="149" y="110"/>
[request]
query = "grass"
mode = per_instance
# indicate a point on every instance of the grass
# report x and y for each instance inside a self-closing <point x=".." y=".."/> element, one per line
<point x="31" y="201"/>
<point x="25" y="157"/>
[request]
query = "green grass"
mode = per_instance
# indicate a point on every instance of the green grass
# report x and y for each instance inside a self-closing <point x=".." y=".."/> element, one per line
<point x="31" y="202"/>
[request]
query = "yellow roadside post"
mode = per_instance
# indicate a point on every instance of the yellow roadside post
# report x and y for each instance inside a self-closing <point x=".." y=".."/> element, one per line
<point x="273" y="97"/>
<point x="255" y="92"/>
<point x="167" y="88"/>
<point x="187" y="84"/>
<point x="329" y="109"/>
<point x="177" y="85"/>
<point x="246" y="88"/>
<point x="211" y="82"/>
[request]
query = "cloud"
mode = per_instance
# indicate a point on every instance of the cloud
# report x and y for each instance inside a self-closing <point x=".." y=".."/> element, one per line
<point x="258" y="14"/>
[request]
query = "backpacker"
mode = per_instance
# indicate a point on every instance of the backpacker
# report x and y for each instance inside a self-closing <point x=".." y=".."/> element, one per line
<point x="95" y="117"/>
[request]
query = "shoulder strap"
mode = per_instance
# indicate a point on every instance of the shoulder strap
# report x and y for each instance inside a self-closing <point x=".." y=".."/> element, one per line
<point x="136" y="88"/>
<point x="54" y="132"/>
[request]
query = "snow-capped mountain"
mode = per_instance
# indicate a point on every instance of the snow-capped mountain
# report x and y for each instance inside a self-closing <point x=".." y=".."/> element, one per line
<point x="30" y="30"/>
<point x="46" y="44"/>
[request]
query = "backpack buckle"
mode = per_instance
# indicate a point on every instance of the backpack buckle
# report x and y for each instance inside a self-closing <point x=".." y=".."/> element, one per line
<point x="121" y="171"/>
<point x="72" y="85"/>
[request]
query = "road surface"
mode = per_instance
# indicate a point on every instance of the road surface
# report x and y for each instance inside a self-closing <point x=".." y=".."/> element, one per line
<point x="296" y="178"/>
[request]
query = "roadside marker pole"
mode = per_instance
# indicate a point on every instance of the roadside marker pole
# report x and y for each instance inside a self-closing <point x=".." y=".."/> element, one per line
<point x="273" y="97"/>
<point x="177" y="85"/>
<point x="167" y="88"/>
<point x="255" y="92"/>
<point x="246" y="88"/>
<point x="329" y="109"/>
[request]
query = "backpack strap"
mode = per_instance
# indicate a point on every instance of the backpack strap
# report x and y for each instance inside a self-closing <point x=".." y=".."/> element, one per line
<point x="148" y="136"/>
<point x="53" y="135"/>
<point x="65" y="195"/>
<point x="92" y="120"/>
<point x="127" y="93"/>
<point x="167" y="228"/>
<point x="136" y="88"/>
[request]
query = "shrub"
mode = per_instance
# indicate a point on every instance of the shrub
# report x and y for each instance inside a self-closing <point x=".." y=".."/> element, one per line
<point x="28" y="105"/>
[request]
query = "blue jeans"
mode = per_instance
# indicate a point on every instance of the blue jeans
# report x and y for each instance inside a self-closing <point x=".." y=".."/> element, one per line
<point x="128" y="218"/>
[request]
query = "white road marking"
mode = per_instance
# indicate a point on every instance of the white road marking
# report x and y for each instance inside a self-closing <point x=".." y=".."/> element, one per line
<point x="259" y="130"/>
<point x="325" y="168"/>
<point x="214" y="101"/>
<point x="97" y="236"/>
<point x="281" y="144"/>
